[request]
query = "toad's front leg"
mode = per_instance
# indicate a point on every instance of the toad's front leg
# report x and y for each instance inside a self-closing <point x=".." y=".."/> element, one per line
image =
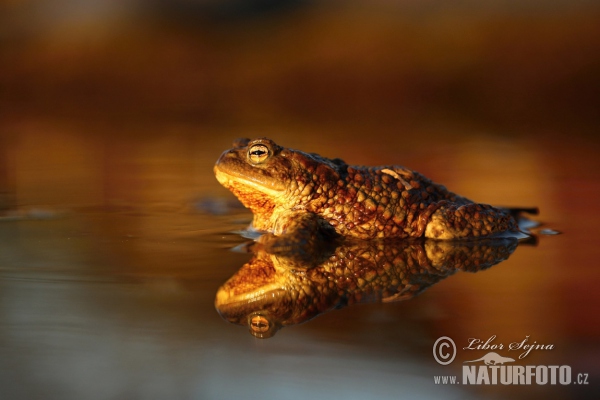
<point x="299" y="234"/>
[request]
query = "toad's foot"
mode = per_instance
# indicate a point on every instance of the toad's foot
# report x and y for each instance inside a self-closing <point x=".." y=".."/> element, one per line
<point x="471" y="220"/>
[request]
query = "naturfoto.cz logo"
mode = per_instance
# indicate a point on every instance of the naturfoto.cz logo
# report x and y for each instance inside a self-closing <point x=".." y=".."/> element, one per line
<point x="494" y="368"/>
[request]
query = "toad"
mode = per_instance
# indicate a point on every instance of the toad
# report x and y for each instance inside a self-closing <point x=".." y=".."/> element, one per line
<point x="289" y="190"/>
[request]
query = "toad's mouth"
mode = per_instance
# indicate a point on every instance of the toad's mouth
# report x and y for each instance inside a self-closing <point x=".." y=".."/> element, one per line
<point x="258" y="182"/>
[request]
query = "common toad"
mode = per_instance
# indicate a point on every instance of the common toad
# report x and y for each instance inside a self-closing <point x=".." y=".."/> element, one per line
<point x="285" y="188"/>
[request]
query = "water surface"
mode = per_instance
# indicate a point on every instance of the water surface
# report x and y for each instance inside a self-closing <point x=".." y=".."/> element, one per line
<point x="115" y="240"/>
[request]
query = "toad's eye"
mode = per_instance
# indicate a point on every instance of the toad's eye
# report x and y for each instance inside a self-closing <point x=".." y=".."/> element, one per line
<point x="259" y="324"/>
<point x="258" y="153"/>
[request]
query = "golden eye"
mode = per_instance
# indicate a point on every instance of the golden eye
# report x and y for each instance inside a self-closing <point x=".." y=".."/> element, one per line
<point x="259" y="324"/>
<point x="258" y="153"/>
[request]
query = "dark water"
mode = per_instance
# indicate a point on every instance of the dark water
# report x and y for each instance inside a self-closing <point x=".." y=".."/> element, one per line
<point x="114" y="244"/>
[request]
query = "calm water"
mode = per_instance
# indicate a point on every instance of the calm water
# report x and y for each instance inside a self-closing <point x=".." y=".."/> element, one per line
<point x="116" y="239"/>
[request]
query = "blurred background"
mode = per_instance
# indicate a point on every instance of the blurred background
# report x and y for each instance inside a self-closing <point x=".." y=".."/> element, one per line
<point x="108" y="71"/>
<point x="219" y="61"/>
<point x="115" y="235"/>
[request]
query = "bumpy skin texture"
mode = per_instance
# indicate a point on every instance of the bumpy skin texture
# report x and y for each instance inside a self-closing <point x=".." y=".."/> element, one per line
<point x="272" y="291"/>
<point x="282" y="185"/>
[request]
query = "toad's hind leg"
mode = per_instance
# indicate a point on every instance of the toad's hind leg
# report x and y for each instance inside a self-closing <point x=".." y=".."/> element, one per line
<point x="469" y="220"/>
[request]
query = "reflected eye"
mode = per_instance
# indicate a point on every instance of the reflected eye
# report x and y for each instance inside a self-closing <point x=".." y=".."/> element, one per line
<point x="262" y="326"/>
<point x="258" y="153"/>
<point x="259" y="324"/>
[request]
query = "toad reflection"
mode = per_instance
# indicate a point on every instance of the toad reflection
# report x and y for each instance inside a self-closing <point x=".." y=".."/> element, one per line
<point x="276" y="290"/>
